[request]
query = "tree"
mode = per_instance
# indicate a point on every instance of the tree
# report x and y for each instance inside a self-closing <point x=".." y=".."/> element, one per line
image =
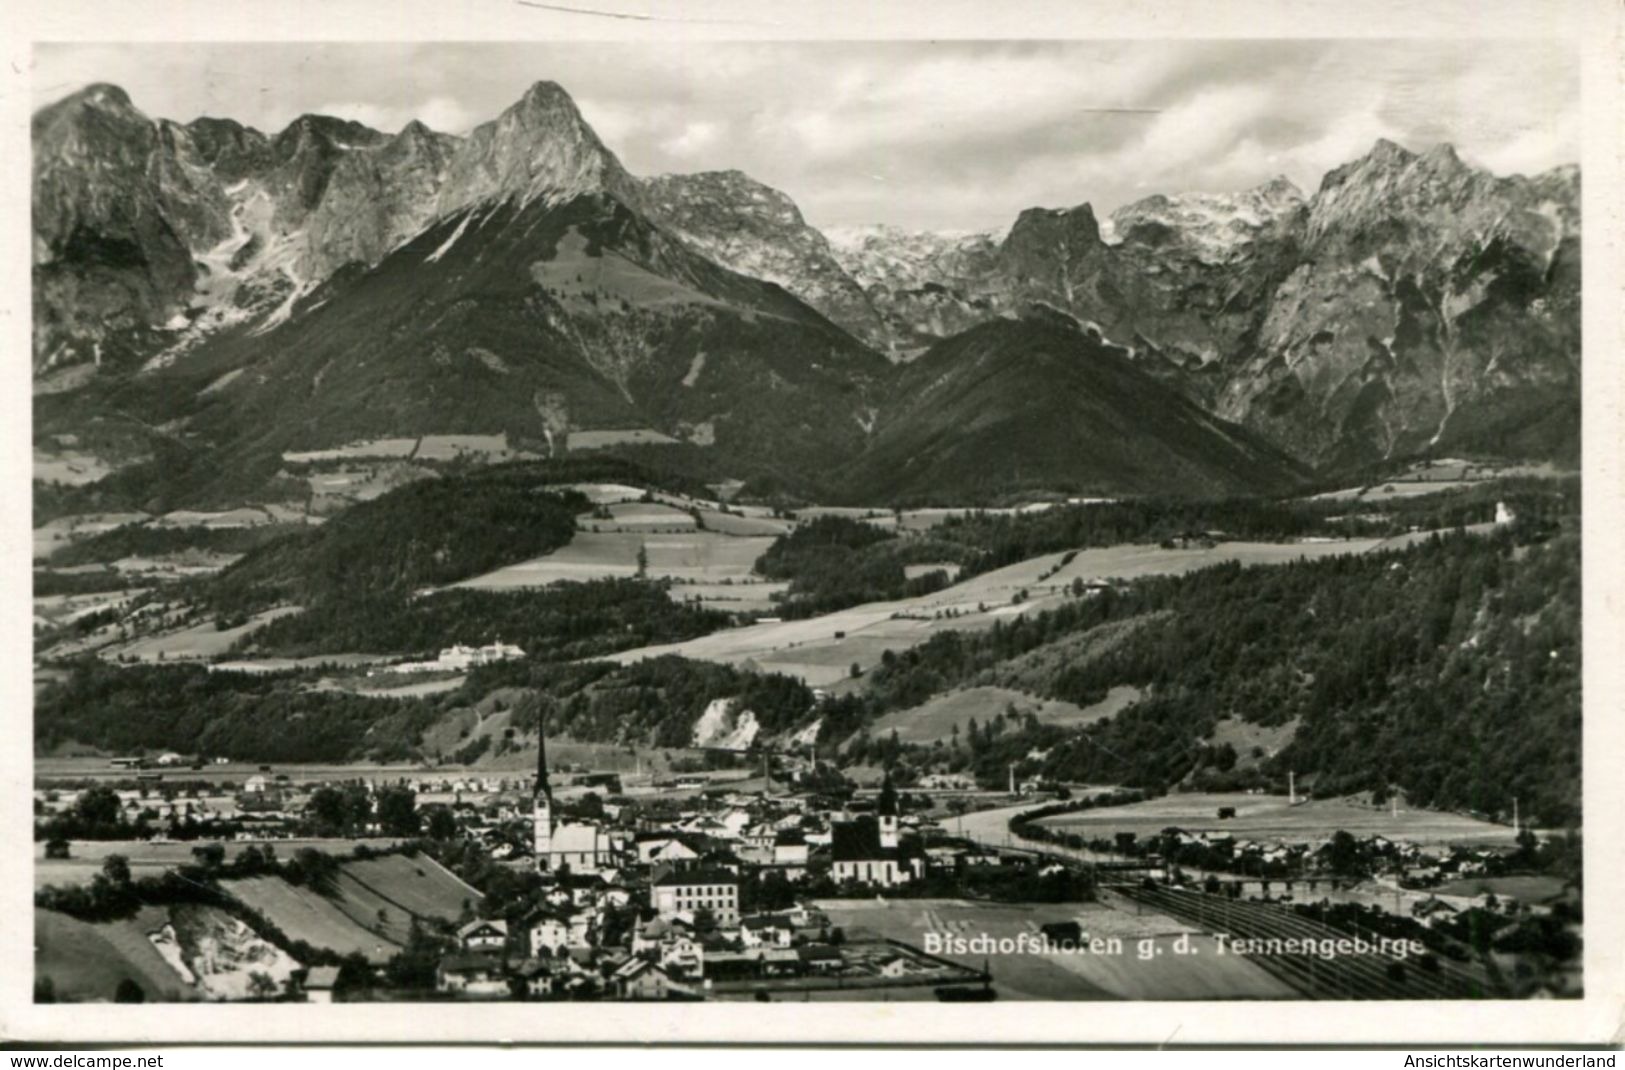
<point x="97" y="807"/>
<point x="442" y="824"/>
<point x="116" y="868"/>
<point x="56" y="847"/>
<point x="210" y="856"/>
<point x="261" y="985"/>
<point x="129" y="992"/>
<point x="397" y="811"/>
<point x="643" y="560"/>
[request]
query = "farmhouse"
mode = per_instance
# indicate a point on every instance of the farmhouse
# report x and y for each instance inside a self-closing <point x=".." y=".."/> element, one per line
<point x="319" y="984"/>
<point x="483" y="935"/>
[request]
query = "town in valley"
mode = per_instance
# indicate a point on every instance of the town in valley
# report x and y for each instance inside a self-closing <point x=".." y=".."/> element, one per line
<point x="477" y="565"/>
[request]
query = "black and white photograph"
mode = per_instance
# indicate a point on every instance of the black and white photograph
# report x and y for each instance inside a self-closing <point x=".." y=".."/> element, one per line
<point x="703" y="515"/>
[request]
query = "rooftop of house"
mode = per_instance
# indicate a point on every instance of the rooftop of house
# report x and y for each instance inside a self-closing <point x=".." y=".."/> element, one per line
<point x="694" y="877"/>
<point x="470" y="962"/>
<point x="321" y="977"/>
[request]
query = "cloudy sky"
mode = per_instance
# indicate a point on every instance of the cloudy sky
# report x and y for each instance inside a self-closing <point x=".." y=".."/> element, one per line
<point x="949" y="135"/>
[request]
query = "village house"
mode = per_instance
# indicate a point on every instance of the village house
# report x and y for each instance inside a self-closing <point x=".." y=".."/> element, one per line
<point x="319" y="984"/>
<point x="483" y="934"/>
<point x="819" y="958"/>
<point x="640" y="979"/>
<point x="766" y="930"/>
<point x="547" y="932"/>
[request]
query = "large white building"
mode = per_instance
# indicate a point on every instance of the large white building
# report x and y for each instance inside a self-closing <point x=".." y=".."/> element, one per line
<point x="686" y="892"/>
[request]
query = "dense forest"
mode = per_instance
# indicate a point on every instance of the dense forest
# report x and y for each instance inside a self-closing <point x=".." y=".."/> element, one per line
<point x="189" y="709"/>
<point x="430" y="532"/>
<point x="142" y="540"/>
<point x="834" y="562"/>
<point x="558" y="623"/>
<point x="1449" y="670"/>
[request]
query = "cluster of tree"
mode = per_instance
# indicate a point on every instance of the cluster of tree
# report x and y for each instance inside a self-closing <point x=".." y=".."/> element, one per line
<point x="50" y="582"/>
<point x="835" y="561"/>
<point x="656" y="700"/>
<point x="564" y="622"/>
<point x="427" y="533"/>
<point x="350" y="809"/>
<point x="187" y="708"/>
<point x="143" y="540"/>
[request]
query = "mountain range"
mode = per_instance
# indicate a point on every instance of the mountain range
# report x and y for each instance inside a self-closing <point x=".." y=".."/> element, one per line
<point x="236" y="295"/>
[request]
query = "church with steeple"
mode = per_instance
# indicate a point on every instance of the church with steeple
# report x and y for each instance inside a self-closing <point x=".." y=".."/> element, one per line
<point x="541" y="812"/>
<point x="582" y="846"/>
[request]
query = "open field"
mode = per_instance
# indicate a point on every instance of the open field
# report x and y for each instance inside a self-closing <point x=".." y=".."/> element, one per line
<point x="1272" y="818"/>
<point x="732" y="524"/>
<point x="317" y="919"/>
<point x="643" y="516"/>
<point x="195" y="643"/>
<point x="377" y="447"/>
<point x="86" y="961"/>
<point x="936" y="719"/>
<point x="1106" y="974"/>
<point x="734" y="597"/>
<point x="70" y="467"/>
<point x="693" y="555"/>
<point x="86" y="856"/>
<point x="55" y="534"/>
<point x="66" y="608"/>
<point x="419" y="885"/>
<point x="1431" y="477"/>
<point x="1525" y="889"/>
<point x="627" y="436"/>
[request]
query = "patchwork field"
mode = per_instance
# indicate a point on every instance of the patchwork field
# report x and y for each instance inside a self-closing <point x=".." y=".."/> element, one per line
<point x="70" y="467"/>
<point x="694" y="555"/>
<point x="195" y="643"/>
<point x="53" y="535"/>
<point x="319" y="920"/>
<point x="86" y="856"/>
<point x="1273" y="818"/>
<point x="1104" y="975"/>
<point x="821" y="650"/>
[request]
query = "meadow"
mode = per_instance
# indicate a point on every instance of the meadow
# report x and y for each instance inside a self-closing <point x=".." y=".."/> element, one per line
<point x="1273" y="818"/>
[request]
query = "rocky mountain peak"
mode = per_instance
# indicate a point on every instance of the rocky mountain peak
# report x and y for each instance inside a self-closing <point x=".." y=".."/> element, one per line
<point x="539" y="147"/>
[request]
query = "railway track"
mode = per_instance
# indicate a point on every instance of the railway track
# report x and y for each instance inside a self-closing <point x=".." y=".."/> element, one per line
<point x="1367" y="975"/>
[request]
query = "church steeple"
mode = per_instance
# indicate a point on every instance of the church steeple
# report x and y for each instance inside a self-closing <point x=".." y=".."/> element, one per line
<point x="886" y="809"/>
<point x="542" y="806"/>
